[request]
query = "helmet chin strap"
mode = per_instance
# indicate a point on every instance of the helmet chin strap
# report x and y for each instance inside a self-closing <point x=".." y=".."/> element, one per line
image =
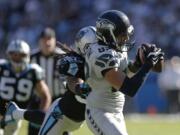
<point x="124" y="47"/>
<point x="121" y="48"/>
<point x="101" y="37"/>
<point x="18" y="67"/>
<point x="115" y="41"/>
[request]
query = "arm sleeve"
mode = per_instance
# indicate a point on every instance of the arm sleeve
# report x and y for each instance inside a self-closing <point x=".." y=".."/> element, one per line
<point x="131" y="85"/>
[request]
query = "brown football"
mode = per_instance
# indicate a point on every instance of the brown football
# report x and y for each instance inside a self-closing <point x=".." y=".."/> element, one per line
<point x="159" y="66"/>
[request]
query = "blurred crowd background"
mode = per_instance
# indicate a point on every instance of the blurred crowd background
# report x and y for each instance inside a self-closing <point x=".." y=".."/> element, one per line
<point x="155" y="21"/>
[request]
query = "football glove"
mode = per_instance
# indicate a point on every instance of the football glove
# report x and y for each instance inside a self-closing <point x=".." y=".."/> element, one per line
<point x="152" y="54"/>
<point x="82" y="90"/>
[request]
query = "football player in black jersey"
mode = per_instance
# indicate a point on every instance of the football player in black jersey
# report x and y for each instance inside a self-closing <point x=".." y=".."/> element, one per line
<point x="18" y="78"/>
<point x="66" y="113"/>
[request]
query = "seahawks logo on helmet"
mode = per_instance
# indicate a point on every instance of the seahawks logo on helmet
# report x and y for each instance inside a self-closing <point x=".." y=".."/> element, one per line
<point x="105" y="24"/>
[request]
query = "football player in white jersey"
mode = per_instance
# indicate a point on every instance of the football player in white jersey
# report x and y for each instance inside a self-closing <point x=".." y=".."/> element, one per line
<point x="18" y="78"/>
<point x="106" y="67"/>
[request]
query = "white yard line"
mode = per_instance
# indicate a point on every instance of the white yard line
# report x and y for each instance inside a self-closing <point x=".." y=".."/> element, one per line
<point x="151" y="118"/>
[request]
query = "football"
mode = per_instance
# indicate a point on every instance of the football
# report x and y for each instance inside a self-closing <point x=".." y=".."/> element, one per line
<point x="158" y="67"/>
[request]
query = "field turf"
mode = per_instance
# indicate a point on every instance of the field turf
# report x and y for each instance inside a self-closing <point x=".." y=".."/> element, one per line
<point x="141" y="125"/>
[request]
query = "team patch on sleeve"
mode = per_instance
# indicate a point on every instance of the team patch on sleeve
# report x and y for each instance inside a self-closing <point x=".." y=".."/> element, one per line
<point x="105" y="61"/>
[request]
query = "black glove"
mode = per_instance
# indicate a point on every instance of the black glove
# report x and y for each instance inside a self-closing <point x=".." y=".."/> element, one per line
<point x="146" y="47"/>
<point x="152" y="54"/>
<point x="82" y="90"/>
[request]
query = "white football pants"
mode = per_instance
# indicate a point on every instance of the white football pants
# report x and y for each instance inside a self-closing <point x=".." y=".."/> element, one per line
<point x="101" y="122"/>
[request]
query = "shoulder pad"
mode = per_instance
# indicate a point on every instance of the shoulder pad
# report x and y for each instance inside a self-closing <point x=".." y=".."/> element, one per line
<point x="39" y="72"/>
<point x="36" y="67"/>
<point x="59" y="51"/>
<point x="3" y="61"/>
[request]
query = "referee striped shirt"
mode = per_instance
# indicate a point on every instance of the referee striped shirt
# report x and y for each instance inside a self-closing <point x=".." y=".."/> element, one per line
<point x="48" y="63"/>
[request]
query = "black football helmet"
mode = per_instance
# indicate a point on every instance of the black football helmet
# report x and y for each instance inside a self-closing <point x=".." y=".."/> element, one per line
<point x="112" y="26"/>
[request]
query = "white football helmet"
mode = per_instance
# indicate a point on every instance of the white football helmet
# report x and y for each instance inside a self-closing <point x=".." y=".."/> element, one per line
<point x="22" y="48"/>
<point x="84" y="38"/>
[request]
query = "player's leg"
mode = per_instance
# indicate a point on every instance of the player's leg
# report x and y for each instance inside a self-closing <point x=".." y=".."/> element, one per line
<point x="12" y="128"/>
<point x="61" y="127"/>
<point x="33" y="128"/>
<point x="56" y="123"/>
<point x="34" y="116"/>
<point x="14" y="113"/>
<point x="105" y="123"/>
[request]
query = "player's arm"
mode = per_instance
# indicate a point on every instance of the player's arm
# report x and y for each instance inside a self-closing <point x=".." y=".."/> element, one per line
<point x="44" y="94"/>
<point x="135" y="65"/>
<point x="72" y="66"/>
<point x="123" y="83"/>
<point x="130" y="86"/>
<point x="41" y="88"/>
<point x="78" y="87"/>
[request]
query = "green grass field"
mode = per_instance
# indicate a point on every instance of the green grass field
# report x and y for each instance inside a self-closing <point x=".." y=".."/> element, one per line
<point x="141" y="126"/>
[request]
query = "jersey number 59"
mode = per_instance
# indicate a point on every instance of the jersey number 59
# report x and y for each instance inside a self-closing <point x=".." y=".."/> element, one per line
<point x="12" y="89"/>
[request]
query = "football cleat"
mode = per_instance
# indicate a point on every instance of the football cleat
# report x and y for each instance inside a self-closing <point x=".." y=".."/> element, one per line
<point x="8" y="117"/>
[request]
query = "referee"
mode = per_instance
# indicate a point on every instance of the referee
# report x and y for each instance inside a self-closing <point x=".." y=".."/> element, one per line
<point x="46" y="57"/>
